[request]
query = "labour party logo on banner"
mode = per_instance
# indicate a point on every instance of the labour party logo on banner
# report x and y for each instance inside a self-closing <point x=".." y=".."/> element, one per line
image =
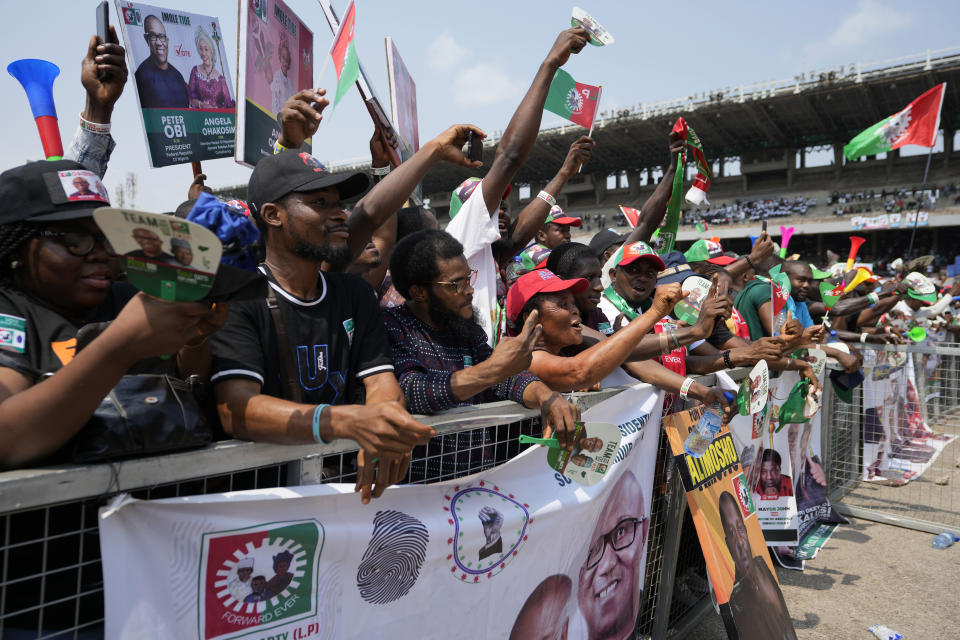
<point x="743" y="495"/>
<point x="258" y="578"/>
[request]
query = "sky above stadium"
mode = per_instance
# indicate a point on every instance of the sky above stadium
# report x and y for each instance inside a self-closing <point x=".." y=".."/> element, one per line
<point x="473" y="61"/>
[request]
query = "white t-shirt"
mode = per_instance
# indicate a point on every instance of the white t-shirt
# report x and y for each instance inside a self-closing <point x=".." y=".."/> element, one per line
<point x="477" y="230"/>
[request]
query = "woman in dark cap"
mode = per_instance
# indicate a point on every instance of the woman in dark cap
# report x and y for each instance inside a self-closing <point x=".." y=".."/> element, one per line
<point x="57" y="274"/>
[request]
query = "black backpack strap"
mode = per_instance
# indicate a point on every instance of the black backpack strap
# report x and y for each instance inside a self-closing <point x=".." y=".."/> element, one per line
<point x="291" y="385"/>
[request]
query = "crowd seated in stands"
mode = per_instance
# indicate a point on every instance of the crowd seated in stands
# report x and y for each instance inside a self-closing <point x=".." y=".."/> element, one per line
<point x="741" y="211"/>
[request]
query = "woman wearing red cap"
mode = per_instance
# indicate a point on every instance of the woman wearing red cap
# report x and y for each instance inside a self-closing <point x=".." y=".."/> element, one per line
<point x="560" y="318"/>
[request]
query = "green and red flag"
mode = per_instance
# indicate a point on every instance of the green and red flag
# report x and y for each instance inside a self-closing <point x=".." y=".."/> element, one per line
<point x="830" y="293"/>
<point x="344" y="54"/>
<point x="917" y="124"/>
<point x="702" y="227"/>
<point x="632" y="215"/>
<point x="575" y="101"/>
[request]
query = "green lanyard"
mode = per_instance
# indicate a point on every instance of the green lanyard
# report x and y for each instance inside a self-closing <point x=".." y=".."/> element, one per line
<point x="622" y="305"/>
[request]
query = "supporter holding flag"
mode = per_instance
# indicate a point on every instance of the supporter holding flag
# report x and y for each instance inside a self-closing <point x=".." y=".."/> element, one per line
<point x="475" y="224"/>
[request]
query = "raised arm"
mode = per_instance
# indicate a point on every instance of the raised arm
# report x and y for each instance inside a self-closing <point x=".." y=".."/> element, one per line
<point x="533" y="215"/>
<point x="521" y="133"/>
<point x="389" y="195"/>
<point x="653" y="210"/>
<point x="594" y="364"/>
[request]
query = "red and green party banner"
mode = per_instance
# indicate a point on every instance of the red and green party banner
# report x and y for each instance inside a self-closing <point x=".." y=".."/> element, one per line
<point x="697" y="194"/>
<point x="344" y="55"/>
<point x="917" y="124"/>
<point x="575" y="101"/>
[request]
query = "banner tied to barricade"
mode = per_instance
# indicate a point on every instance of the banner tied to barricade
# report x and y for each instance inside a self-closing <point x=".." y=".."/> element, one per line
<point x="727" y="521"/>
<point x="898" y="444"/>
<point x="517" y="551"/>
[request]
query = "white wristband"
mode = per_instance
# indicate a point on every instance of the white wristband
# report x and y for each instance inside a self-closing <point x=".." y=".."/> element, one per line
<point x="95" y="127"/>
<point x="685" y="387"/>
<point x="546" y="197"/>
<point x="381" y="171"/>
<point x="873" y="298"/>
<point x="863" y="337"/>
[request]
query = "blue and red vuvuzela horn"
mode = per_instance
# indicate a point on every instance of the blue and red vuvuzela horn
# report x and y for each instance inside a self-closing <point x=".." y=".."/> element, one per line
<point x="37" y="78"/>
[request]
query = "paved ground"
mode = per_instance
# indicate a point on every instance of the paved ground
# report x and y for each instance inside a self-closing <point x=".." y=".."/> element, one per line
<point x="869" y="573"/>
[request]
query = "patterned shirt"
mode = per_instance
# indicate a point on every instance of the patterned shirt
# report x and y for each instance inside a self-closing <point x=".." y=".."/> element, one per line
<point x="425" y="360"/>
<point x="92" y="150"/>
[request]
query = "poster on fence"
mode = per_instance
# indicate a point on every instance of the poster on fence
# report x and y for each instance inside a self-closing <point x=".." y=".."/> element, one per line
<point x="803" y="472"/>
<point x="276" y="61"/>
<point x="898" y="445"/>
<point x="727" y="521"/>
<point x="183" y="83"/>
<point x="517" y="551"/>
<point x="767" y="465"/>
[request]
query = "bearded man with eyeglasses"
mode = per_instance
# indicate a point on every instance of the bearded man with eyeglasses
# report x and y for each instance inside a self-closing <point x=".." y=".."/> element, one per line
<point x="611" y="580"/>
<point x="159" y="83"/>
<point x="441" y="356"/>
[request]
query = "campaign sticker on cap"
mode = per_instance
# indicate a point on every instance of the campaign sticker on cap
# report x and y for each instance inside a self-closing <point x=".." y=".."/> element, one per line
<point x="688" y="309"/>
<point x="598" y="35"/>
<point x="596" y="445"/>
<point x="83" y="186"/>
<point x="166" y="257"/>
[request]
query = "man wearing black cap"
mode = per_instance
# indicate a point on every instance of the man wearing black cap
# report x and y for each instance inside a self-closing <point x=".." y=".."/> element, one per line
<point x="297" y="368"/>
<point x="605" y="243"/>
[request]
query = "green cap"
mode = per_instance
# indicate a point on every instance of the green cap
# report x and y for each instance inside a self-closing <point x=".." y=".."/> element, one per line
<point x="917" y="334"/>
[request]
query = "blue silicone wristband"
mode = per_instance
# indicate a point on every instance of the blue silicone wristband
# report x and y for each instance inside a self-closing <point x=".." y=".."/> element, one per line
<point x="316" y="423"/>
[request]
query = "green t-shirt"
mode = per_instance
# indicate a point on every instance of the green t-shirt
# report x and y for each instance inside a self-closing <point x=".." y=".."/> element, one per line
<point x="748" y="304"/>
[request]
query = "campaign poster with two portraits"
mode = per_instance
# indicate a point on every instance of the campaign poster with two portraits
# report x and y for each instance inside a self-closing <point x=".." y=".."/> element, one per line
<point x="180" y="68"/>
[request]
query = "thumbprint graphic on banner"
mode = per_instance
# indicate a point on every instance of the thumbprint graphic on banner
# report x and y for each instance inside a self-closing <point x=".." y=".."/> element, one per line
<point x="258" y="578"/>
<point x="489" y="527"/>
<point x="392" y="561"/>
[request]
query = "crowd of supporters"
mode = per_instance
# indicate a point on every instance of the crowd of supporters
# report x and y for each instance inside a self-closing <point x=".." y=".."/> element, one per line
<point x="741" y="211"/>
<point x="372" y="315"/>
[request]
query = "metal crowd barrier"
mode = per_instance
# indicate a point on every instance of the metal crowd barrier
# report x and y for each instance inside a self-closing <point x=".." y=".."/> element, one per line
<point x="929" y="502"/>
<point x="51" y="582"/>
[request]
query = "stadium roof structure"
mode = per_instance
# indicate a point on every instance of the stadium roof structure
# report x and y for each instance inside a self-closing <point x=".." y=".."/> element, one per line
<point x="810" y="110"/>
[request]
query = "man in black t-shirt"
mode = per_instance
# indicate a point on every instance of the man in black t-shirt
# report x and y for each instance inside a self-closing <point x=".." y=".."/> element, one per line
<point x="330" y="330"/>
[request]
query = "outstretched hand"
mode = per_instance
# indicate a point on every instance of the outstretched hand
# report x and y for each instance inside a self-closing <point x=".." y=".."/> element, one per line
<point x="666" y="297"/>
<point x="579" y="154"/>
<point x="569" y="41"/>
<point x="449" y="144"/>
<point x="300" y="116"/>
<point x="103" y="73"/>
<point x="677" y="143"/>
<point x="713" y="307"/>
<point x="513" y="354"/>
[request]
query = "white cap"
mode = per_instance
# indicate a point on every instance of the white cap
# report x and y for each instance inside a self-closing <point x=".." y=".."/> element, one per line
<point x="245" y="563"/>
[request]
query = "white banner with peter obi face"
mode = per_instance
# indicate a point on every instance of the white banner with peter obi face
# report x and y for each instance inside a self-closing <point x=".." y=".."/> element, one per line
<point x="518" y="551"/>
